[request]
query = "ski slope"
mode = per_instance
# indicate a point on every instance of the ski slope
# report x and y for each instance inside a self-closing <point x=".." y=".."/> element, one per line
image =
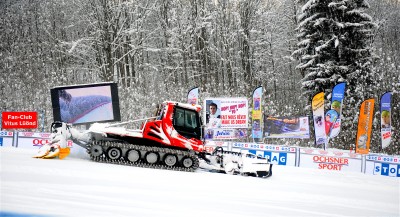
<point x="77" y="186"/>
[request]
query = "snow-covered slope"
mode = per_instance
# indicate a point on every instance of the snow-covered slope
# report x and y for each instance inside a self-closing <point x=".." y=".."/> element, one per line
<point x="80" y="187"/>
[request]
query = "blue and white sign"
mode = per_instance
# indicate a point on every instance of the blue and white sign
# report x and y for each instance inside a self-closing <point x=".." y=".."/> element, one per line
<point x="279" y="155"/>
<point x="6" y="138"/>
<point x="383" y="169"/>
<point x="384" y="165"/>
<point x="278" y="158"/>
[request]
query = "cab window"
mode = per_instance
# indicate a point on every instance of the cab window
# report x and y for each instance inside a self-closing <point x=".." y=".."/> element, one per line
<point x="186" y="122"/>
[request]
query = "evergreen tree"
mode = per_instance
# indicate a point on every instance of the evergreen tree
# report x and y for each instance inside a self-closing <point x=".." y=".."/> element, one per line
<point x="335" y="38"/>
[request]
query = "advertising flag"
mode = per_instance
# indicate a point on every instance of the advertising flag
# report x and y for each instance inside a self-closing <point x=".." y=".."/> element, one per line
<point x="386" y="129"/>
<point x="365" y="126"/>
<point x="330" y="119"/>
<point x="257" y="113"/>
<point x="337" y="105"/>
<point x="318" y="117"/>
<point x="193" y="96"/>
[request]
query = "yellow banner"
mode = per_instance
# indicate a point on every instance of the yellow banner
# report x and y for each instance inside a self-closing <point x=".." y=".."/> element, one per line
<point x="318" y="117"/>
<point x="365" y="126"/>
<point x="318" y="101"/>
<point x="256" y="115"/>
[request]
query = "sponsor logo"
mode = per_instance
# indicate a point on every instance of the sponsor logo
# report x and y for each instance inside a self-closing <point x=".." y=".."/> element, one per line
<point x="330" y="163"/>
<point x="308" y="151"/>
<point x="353" y="155"/>
<point x="40" y="142"/>
<point x="276" y="158"/>
<point x="27" y="134"/>
<point x="45" y="135"/>
<point x="338" y="153"/>
<point x="323" y="152"/>
<point x="5" y="133"/>
<point x="385" y="169"/>
<point x="384" y="159"/>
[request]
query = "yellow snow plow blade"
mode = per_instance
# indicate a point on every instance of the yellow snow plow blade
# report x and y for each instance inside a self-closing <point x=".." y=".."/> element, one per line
<point x="50" y="152"/>
<point x="43" y="151"/>
<point x="64" y="152"/>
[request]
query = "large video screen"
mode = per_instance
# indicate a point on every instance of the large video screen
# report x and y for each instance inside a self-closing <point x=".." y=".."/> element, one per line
<point x="89" y="103"/>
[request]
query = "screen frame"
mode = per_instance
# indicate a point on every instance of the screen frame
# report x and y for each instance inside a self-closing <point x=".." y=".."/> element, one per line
<point x="114" y="99"/>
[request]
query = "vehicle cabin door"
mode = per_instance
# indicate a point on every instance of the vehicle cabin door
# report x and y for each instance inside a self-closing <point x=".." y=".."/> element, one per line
<point x="187" y="123"/>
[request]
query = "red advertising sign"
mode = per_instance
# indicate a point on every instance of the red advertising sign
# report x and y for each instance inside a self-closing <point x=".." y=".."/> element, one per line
<point x="19" y="120"/>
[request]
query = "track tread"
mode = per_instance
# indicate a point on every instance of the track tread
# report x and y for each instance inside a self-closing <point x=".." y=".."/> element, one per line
<point x="122" y="161"/>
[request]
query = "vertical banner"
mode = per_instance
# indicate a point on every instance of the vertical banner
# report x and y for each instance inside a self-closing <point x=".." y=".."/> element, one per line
<point x="256" y="131"/>
<point x="365" y="126"/>
<point x="318" y="117"/>
<point x="337" y="105"/>
<point x="193" y="96"/>
<point x="386" y="130"/>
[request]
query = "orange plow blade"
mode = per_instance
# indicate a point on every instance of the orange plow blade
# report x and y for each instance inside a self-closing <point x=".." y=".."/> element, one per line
<point x="64" y="152"/>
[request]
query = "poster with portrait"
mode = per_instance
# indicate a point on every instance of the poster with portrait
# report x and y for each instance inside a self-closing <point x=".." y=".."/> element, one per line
<point x="365" y="118"/>
<point x="386" y="129"/>
<point x="330" y="119"/>
<point x="226" y="112"/>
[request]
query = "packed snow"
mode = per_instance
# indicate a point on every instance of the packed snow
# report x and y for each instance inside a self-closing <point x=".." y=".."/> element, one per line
<point x="77" y="186"/>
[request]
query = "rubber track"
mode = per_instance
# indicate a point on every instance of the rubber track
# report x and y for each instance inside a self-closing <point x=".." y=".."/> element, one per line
<point x="141" y="163"/>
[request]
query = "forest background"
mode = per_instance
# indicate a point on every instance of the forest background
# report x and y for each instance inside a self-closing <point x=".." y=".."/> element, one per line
<point x="157" y="50"/>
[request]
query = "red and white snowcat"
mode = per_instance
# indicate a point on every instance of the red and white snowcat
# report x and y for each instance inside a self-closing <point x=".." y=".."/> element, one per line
<point x="173" y="140"/>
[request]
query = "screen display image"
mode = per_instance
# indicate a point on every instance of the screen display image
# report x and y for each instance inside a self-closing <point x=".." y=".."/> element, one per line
<point x="83" y="104"/>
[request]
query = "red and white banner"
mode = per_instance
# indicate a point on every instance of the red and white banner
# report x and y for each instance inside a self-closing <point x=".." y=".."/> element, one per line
<point x="335" y="160"/>
<point x="35" y="140"/>
<point x="19" y="120"/>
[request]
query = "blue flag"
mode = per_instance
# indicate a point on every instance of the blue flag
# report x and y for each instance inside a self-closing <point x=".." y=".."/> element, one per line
<point x="337" y="104"/>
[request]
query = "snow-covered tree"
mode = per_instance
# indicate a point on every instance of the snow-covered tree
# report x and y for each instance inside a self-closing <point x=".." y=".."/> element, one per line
<point x="335" y="45"/>
<point x="335" y="38"/>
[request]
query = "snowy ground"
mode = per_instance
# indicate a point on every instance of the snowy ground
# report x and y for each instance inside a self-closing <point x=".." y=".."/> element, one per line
<point x="76" y="186"/>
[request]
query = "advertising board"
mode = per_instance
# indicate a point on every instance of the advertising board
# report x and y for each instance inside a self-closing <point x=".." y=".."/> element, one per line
<point x="335" y="160"/>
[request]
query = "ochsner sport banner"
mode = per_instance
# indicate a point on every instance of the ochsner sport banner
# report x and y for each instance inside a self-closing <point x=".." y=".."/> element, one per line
<point x="318" y="117"/>
<point x="337" y="104"/>
<point x="257" y="113"/>
<point x="193" y="96"/>
<point x="386" y="130"/>
<point x="365" y="126"/>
